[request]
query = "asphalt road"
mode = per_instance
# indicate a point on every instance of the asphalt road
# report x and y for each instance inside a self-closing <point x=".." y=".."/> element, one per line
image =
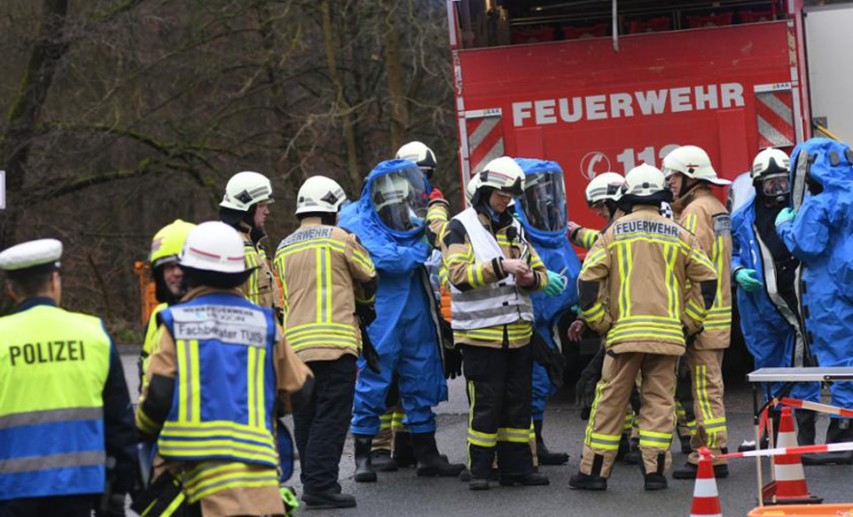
<point x="402" y="493"/>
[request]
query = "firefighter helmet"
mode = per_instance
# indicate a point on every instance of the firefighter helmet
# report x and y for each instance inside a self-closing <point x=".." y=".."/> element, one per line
<point x="214" y="246"/>
<point x="471" y="188"/>
<point x="607" y="185"/>
<point x="245" y="189"/>
<point x="693" y="162"/>
<point x="320" y="194"/>
<point x="168" y="242"/>
<point x="389" y="190"/>
<point x="420" y="154"/>
<point x="644" y="181"/>
<point x="770" y="161"/>
<point x="503" y="174"/>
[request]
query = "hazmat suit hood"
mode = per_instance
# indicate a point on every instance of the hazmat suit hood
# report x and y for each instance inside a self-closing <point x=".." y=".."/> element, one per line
<point x="824" y="162"/>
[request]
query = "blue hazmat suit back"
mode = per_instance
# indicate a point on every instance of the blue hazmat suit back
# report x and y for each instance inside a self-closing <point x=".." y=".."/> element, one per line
<point x="404" y="333"/>
<point x="769" y="336"/>
<point x="821" y="236"/>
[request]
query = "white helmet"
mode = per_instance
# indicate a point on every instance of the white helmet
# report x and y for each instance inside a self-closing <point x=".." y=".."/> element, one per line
<point x="245" y="189"/>
<point x="693" y="162"/>
<point x="770" y="161"/>
<point x="607" y="185"/>
<point x="214" y="246"/>
<point x="503" y="174"/>
<point x="320" y="194"/>
<point x="471" y="187"/>
<point x="643" y="181"/>
<point x="393" y="189"/>
<point x="419" y="153"/>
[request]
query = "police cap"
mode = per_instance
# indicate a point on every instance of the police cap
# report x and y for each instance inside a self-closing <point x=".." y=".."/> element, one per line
<point x="37" y="256"/>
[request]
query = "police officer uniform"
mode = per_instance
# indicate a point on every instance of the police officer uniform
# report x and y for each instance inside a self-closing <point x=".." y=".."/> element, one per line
<point x="64" y="404"/>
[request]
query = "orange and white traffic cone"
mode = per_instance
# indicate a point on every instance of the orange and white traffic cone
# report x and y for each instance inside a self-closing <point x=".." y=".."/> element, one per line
<point x="789" y="486"/>
<point x="706" y="499"/>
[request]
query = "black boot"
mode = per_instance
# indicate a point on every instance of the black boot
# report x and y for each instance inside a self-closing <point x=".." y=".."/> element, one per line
<point x="686" y="448"/>
<point x="364" y="472"/>
<point x="593" y="480"/>
<point x="545" y="456"/>
<point x="839" y="431"/>
<point x="404" y="454"/>
<point x="689" y="470"/>
<point x="382" y="461"/>
<point x="532" y="479"/>
<point x="633" y="456"/>
<point x="331" y="498"/>
<point x="655" y="480"/>
<point x="430" y="462"/>
<point x="805" y="426"/>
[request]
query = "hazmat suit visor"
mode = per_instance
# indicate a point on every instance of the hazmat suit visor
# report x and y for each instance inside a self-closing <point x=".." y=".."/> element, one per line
<point x="544" y="201"/>
<point x="400" y="199"/>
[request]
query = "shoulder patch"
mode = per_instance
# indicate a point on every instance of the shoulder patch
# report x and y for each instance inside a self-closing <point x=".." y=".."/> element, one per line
<point x="622" y="228"/>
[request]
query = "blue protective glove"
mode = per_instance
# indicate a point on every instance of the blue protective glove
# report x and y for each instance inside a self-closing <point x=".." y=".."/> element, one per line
<point x="556" y="284"/>
<point x="786" y="215"/>
<point x="746" y="279"/>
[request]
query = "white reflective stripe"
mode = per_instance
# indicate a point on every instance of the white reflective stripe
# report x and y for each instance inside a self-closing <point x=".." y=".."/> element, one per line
<point x="790" y="472"/>
<point x="705" y="488"/>
<point x="706" y="515"/>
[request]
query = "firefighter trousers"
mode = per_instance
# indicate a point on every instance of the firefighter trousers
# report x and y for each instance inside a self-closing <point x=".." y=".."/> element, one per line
<point x="499" y="408"/>
<point x="612" y="394"/>
<point x="60" y="506"/>
<point x="706" y="376"/>
<point x="685" y="418"/>
<point x="321" y="425"/>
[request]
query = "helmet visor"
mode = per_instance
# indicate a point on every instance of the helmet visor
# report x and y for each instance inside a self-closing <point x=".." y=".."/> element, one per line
<point x="400" y="199"/>
<point x="544" y="201"/>
<point x="776" y="185"/>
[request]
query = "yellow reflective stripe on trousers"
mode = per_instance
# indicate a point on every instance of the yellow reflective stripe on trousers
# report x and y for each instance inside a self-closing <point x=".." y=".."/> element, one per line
<point x="397" y="421"/>
<point x="655" y="439"/>
<point x="599" y="390"/>
<point x="189" y="384"/>
<point x="701" y="382"/>
<point x="509" y="434"/>
<point x="205" y="480"/>
<point x="604" y="441"/>
<point x="476" y="437"/>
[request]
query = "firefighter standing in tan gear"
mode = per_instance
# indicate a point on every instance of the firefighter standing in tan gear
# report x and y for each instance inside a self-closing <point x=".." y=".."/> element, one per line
<point x="601" y="194"/>
<point x="689" y="171"/>
<point x="216" y="383"/>
<point x="245" y="207"/>
<point x="328" y="282"/>
<point x="491" y="268"/>
<point x="631" y="291"/>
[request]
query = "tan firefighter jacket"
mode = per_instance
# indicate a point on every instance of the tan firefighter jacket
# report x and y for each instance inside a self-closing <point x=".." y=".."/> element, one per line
<point x="703" y="214"/>
<point x="261" y="287"/>
<point x="324" y="272"/>
<point x="632" y="284"/>
<point x="466" y="274"/>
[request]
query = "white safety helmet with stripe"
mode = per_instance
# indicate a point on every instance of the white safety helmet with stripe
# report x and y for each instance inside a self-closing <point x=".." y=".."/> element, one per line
<point x="320" y="194"/>
<point x="770" y="161"/>
<point x="607" y="185"/>
<point x="503" y="174"/>
<point x="245" y="189"/>
<point x="471" y="188"/>
<point x="214" y="246"/>
<point x="643" y="181"/>
<point x="420" y="154"/>
<point x="693" y="162"/>
<point x="390" y="189"/>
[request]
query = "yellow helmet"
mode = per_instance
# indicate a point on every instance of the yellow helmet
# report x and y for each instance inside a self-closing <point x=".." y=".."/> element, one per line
<point x="167" y="244"/>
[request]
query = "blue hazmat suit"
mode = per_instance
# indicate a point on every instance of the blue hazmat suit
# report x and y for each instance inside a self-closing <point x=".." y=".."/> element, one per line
<point x="821" y="237"/>
<point x="769" y="336"/>
<point x="559" y="256"/>
<point x="404" y="333"/>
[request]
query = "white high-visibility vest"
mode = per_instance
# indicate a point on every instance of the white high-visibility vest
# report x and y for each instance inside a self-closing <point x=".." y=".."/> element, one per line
<point x="499" y="303"/>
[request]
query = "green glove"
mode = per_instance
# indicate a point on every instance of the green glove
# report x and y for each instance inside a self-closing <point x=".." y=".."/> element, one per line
<point x="556" y="284"/>
<point x="786" y="215"/>
<point x="746" y="279"/>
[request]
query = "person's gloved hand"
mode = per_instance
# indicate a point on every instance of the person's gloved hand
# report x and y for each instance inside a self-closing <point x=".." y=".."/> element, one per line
<point x="747" y="280"/>
<point x="435" y="194"/>
<point x="556" y="284"/>
<point x="452" y="363"/>
<point x="786" y="215"/>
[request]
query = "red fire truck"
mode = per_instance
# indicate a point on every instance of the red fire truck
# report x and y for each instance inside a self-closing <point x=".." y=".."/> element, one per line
<point x="600" y="85"/>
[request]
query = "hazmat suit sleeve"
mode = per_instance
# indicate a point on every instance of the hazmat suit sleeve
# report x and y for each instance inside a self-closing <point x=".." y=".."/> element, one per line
<point x="737" y="264"/>
<point x="808" y="234"/>
<point x="399" y="259"/>
<point x="593" y="288"/>
<point x="463" y="271"/>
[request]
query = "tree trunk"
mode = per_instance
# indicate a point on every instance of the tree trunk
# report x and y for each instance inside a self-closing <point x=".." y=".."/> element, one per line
<point x="343" y="109"/>
<point x="26" y="109"/>
<point x="394" y="74"/>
